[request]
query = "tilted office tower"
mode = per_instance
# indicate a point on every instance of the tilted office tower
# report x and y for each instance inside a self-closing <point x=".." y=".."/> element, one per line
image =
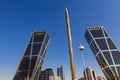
<point x="105" y="51"/>
<point x="31" y="63"/>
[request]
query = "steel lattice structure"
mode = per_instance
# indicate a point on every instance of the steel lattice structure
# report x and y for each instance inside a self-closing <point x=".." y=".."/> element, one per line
<point x="105" y="51"/>
<point x="31" y="62"/>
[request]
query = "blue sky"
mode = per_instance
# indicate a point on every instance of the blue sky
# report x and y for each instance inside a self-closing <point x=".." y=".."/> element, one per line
<point x="19" y="18"/>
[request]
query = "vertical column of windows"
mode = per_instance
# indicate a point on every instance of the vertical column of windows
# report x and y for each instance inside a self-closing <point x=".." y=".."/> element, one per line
<point x="111" y="46"/>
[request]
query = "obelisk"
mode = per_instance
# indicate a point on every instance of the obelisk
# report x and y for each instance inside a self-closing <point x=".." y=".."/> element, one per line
<point x="70" y="45"/>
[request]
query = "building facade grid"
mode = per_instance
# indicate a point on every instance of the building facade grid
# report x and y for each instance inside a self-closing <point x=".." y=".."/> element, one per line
<point x="105" y="51"/>
<point x="31" y="62"/>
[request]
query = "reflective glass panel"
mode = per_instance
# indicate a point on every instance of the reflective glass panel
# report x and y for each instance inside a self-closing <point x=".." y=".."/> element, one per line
<point x="21" y="75"/>
<point x="36" y="49"/>
<point x="97" y="33"/>
<point x="113" y="69"/>
<point x="118" y="69"/>
<point x="24" y="65"/>
<point x="88" y="37"/>
<point x="105" y="33"/>
<point x="108" y="57"/>
<point x="116" y="56"/>
<point x="28" y="49"/>
<point x="111" y="44"/>
<point x="33" y="62"/>
<point x="102" y="44"/>
<point x="94" y="48"/>
<point x="101" y="61"/>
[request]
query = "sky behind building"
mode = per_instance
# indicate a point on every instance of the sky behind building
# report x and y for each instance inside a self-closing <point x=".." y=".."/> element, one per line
<point x="19" y="18"/>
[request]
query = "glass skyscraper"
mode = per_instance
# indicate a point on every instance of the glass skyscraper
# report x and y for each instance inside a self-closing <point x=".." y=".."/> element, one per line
<point x="105" y="51"/>
<point x="31" y="62"/>
<point x="60" y="72"/>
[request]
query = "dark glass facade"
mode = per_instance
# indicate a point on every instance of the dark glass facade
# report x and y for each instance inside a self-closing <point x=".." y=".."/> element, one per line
<point x="105" y="51"/>
<point x="31" y="62"/>
<point x="60" y="72"/>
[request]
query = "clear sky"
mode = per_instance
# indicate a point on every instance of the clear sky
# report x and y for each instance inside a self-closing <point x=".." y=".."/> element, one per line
<point x="19" y="18"/>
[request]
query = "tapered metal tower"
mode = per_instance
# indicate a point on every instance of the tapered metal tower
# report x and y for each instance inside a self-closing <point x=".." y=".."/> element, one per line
<point x="70" y="45"/>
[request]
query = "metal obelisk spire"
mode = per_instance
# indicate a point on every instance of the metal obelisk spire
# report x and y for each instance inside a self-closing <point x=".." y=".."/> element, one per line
<point x="70" y="45"/>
